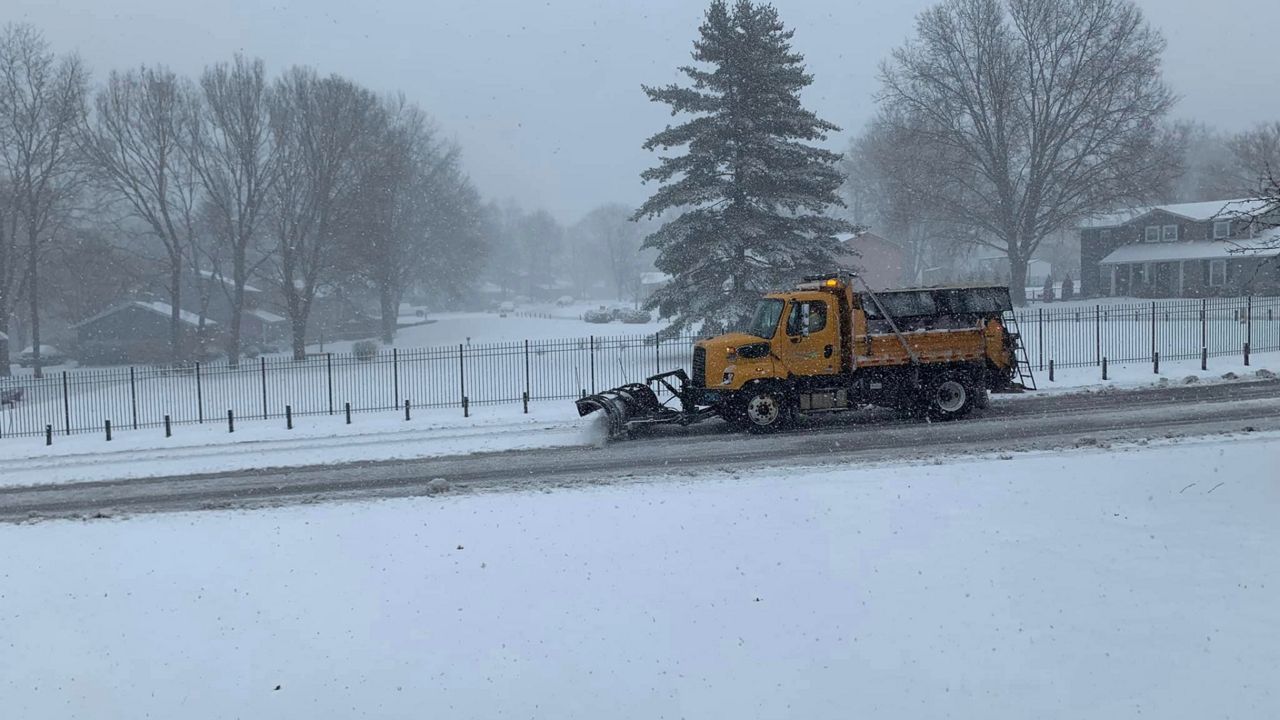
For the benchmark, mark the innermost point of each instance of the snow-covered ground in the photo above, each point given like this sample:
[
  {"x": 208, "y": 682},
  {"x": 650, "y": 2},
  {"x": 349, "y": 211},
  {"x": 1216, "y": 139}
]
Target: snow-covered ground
[
  {"x": 323, "y": 439},
  {"x": 1128, "y": 583}
]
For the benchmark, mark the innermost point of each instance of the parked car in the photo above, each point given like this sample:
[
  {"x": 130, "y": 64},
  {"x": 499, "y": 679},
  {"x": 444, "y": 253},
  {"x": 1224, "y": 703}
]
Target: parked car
[
  {"x": 599, "y": 315},
  {"x": 635, "y": 317},
  {"x": 564, "y": 300},
  {"x": 506, "y": 307},
  {"x": 10, "y": 391},
  {"x": 49, "y": 355}
]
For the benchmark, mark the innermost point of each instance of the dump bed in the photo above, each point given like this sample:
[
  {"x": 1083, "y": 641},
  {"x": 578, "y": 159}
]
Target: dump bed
[{"x": 939, "y": 325}]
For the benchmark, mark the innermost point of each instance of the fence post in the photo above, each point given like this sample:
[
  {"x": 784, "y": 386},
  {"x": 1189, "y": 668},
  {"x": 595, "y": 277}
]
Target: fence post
[
  {"x": 657, "y": 354},
  {"x": 168, "y": 426},
  {"x": 1155, "y": 362},
  {"x": 527, "y": 387},
  {"x": 133, "y": 398},
  {"x": 1246, "y": 354},
  {"x": 1153, "y": 328},
  {"x": 1040, "y": 335},
  {"x": 1097, "y": 335},
  {"x": 199, "y": 397},
  {"x": 66, "y": 402},
  {"x": 231, "y": 421},
  {"x": 48, "y": 434},
  {"x": 462, "y": 378},
  {"x": 288, "y": 417},
  {"x": 107, "y": 424},
  {"x": 1248, "y": 324},
  {"x": 262, "y": 363},
  {"x": 1204, "y": 358},
  {"x": 1204, "y": 324},
  {"x": 1050, "y": 369},
  {"x": 328, "y": 371},
  {"x": 466, "y": 407},
  {"x": 395, "y": 375},
  {"x": 406, "y": 410},
  {"x": 1104, "y": 367},
  {"x": 591, "y": 350},
  {"x": 347, "y": 408}
]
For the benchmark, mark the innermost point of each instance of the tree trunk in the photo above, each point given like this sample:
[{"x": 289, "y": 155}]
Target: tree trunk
[
  {"x": 175, "y": 312},
  {"x": 1018, "y": 279},
  {"x": 34, "y": 278},
  {"x": 299, "y": 324},
  {"x": 5, "y": 370},
  {"x": 390, "y": 310}
]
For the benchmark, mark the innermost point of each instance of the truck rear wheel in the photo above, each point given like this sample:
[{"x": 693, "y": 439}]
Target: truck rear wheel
[
  {"x": 764, "y": 409},
  {"x": 949, "y": 396}
]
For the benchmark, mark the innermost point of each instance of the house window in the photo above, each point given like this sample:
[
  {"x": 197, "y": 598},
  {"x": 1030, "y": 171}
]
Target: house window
[
  {"x": 1221, "y": 229},
  {"x": 1217, "y": 273},
  {"x": 1153, "y": 233},
  {"x": 1170, "y": 233}
]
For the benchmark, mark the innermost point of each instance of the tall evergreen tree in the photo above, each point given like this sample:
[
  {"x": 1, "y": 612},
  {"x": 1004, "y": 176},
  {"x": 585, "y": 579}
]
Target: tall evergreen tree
[{"x": 752, "y": 188}]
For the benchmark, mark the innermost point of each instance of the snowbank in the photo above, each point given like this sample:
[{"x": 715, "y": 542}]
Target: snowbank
[{"x": 1093, "y": 584}]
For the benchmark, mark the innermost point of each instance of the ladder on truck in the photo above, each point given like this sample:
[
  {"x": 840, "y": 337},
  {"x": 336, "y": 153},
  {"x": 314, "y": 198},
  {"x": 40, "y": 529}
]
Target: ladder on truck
[{"x": 1021, "y": 360}]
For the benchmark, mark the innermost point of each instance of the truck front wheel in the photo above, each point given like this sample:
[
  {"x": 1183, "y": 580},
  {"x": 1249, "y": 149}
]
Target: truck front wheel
[{"x": 763, "y": 409}]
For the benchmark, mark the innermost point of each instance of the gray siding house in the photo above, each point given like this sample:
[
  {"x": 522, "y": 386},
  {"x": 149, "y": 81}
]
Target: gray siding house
[{"x": 1206, "y": 249}]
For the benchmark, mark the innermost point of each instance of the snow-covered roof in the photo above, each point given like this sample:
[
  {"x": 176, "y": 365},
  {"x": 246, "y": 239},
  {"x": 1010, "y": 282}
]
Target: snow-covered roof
[
  {"x": 1266, "y": 246},
  {"x": 266, "y": 317},
  {"x": 1196, "y": 211},
  {"x": 654, "y": 278},
  {"x": 155, "y": 306},
  {"x": 211, "y": 275}
]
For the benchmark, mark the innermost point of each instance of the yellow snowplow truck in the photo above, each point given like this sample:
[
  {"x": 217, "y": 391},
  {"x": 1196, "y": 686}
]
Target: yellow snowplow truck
[{"x": 824, "y": 347}]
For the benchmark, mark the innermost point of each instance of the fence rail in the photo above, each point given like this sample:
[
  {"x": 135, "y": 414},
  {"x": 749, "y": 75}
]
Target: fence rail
[{"x": 461, "y": 376}]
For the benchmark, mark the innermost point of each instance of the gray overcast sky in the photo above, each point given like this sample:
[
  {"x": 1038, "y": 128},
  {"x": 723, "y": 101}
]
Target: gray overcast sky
[{"x": 544, "y": 95}]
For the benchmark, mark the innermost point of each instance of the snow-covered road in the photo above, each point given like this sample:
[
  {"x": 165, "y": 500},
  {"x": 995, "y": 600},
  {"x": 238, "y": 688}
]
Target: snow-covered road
[
  {"x": 1033, "y": 423},
  {"x": 1082, "y": 584}
]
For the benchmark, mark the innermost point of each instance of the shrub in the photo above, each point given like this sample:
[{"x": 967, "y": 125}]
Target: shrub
[{"x": 365, "y": 350}]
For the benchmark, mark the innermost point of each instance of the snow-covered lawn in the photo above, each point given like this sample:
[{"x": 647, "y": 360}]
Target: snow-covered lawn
[
  {"x": 320, "y": 439},
  {"x": 1089, "y": 584}
]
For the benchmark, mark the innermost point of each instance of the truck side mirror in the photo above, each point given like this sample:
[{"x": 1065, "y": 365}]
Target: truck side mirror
[{"x": 804, "y": 320}]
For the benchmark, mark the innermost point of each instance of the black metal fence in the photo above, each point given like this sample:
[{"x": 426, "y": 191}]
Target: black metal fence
[{"x": 461, "y": 376}]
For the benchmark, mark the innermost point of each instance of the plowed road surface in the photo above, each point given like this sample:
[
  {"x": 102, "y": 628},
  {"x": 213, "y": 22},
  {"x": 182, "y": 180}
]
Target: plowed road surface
[{"x": 1025, "y": 423}]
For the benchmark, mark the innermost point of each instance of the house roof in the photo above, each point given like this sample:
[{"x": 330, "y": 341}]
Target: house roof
[
  {"x": 1266, "y": 246},
  {"x": 155, "y": 306},
  {"x": 1196, "y": 211},
  {"x": 211, "y": 275}
]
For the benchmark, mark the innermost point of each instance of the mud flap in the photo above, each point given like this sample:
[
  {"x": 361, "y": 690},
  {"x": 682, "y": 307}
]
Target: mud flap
[{"x": 622, "y": 405}]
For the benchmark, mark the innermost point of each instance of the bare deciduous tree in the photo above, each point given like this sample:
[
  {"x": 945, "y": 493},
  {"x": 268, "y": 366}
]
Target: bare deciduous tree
[
  {"x": 232, "y": 152},
  {"x": 136, "y": 142},
  {"x": 1046, "y": 110},
  {"x": 41, "y": 103},
  {"x": 315, "y": 123}
]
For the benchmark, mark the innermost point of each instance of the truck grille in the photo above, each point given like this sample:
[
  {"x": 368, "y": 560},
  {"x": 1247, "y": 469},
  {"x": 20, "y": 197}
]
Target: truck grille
[{"x": 699, "y": 378}]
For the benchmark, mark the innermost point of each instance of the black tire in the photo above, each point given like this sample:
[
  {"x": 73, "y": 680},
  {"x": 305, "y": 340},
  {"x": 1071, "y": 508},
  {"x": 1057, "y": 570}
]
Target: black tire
[
  {"x": 764, "y": 409},
  {"x": 949, "y": 396}
]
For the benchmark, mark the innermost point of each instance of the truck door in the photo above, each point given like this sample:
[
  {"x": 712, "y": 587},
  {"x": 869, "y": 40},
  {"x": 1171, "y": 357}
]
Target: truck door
[{"x": 813, "y": 338}]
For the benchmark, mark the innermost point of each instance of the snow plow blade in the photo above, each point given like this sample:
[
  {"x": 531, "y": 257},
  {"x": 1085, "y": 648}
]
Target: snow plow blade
[{"x": 623, "y": 405}]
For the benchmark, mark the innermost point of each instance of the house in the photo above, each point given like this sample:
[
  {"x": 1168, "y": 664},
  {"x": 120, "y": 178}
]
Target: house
[
  {"x": 1216, "y": 248},
  {"x": 651, "y": 282},
  {"x": 137, "y": 331},
  {"x": 266, "y": 330},
  {"x": 882, "y": 263}
]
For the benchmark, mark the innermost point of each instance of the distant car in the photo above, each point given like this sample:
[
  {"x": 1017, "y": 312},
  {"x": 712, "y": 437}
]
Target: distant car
[
  {"x": 635, "y": 317},
  {"x": 600, "y": 315},
  {"x": 49, "y": 355},
  {"x": 564, "y": 300},
  {"x": 10, "y": 391}
]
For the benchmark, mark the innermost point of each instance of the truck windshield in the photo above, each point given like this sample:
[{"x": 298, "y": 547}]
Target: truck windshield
[{"x": 764, "y": 321}]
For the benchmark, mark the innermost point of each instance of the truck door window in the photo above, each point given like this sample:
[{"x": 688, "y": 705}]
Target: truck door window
[{"x": 817, "y": 317}]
